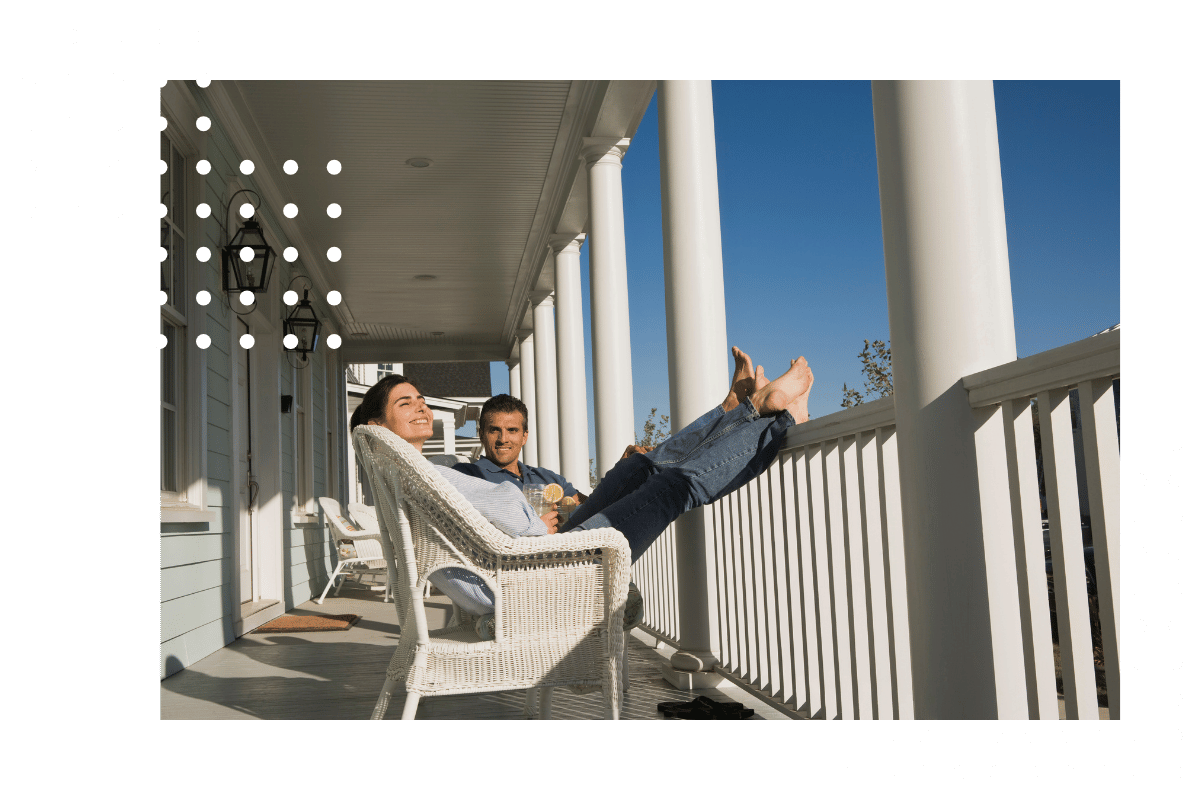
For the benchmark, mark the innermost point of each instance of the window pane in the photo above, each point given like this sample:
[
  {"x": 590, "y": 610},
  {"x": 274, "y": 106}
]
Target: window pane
[
  {"x": 168, "y": 364},
  {"x": 179, "y": 195},
  {"x": 169, "y": 483},
  {"x": 179, "y": 285},
  {"x": 166, "y": 268},
  {"x": 164, "y": 187}
]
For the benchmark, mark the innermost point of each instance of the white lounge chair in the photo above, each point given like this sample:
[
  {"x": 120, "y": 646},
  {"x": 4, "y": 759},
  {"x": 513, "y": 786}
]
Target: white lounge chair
[
  {"x": 360, "y": 550},
  {"x": 559, "y": 599},
  {"x": 363, "y": 515}
]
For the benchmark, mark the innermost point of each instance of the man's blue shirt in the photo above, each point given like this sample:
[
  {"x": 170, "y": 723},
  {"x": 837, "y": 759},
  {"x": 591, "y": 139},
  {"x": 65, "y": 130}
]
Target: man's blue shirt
[{"x": 488, "y": 470}]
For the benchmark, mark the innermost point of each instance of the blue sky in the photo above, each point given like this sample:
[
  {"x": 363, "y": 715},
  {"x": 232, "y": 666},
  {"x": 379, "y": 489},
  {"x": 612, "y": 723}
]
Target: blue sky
[{"x": 801, "y": 235}]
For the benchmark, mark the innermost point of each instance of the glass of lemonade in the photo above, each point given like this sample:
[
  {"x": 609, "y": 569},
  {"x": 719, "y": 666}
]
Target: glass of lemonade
[{"x": 537, "y": 498}]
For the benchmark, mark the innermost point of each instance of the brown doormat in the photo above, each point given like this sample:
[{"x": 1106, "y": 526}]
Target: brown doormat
[{"x": 291, "y": 623}]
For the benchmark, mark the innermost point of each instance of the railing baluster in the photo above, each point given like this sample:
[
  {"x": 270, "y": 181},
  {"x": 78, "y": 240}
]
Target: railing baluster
[
  {"x": 1066, "y": 547},
  {"x": 773, "y": 685},
  {"x": 669, "y": 559},
  {"x": 864, "y": 699},
  {"x": 1102, "y": 463},
  {"x": 762, "y": 612},
  {"x": 721, "y": 597},
  {"x": 810, "y": 611},
  {"x": 893, "y": 540},
  {"x": 820, "y": 540},
  {"x": 793, "y": 625},
  {"x": 872, "y": 505},
  {"x": 753, "y": 589},
  {"x": 1000, "y": 564},
  {"x": 741, "y": 596},
  {"x": 834, "y": 488},
  {"x": 1031, "y": 562},
  {"x": 776, "y": 576}
]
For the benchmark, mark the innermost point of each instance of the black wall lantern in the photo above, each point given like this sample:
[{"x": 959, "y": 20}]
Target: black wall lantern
[
  {"x": 304, "y": 325},
  {"x": 247, "y": 260}
]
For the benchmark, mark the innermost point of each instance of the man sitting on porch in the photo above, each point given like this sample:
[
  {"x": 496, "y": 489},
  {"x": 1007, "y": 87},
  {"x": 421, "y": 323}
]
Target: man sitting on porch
[
  {"x": 503, "y": 430},
  {"x": 642, "y": 494}
]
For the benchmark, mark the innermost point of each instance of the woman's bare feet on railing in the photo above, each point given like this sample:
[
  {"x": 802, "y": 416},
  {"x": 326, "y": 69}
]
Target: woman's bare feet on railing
[
  {"x": 786, "y": 391},
  {"x": 743, "y": 381}
]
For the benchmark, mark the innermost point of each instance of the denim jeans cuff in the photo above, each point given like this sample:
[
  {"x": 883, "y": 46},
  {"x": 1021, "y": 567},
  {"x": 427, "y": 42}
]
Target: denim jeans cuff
[{"x": 754, "y": 414}]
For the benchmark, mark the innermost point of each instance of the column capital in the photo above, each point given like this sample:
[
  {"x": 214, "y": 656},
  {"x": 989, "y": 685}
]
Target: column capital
[
  {"x": 608, "y": 149},
  {"x": 541, "y": 298},
  {"x": 566, "y": 242},
  {"x": 523, "y": 334}
]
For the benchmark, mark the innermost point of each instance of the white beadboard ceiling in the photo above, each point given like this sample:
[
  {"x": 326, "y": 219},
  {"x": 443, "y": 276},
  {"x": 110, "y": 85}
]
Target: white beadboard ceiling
[{"x": 504, "y": 165}]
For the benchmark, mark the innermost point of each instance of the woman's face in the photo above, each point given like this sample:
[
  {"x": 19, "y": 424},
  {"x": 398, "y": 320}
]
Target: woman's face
[{"x": 406, "y": 415}]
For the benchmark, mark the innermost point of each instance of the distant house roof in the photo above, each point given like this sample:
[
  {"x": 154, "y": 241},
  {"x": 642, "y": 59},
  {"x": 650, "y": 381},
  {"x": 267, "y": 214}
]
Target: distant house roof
[{"x": 452, "y": 379}]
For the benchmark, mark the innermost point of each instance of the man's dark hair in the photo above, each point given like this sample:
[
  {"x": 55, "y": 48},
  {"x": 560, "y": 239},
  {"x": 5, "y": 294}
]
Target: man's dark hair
[
  {"x": 503, "y": 404},
  {"x": 374, "y": 403}
]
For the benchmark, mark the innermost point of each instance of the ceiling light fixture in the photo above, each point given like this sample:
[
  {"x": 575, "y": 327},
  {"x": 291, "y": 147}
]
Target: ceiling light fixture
[{"x": 419, "y": 163}]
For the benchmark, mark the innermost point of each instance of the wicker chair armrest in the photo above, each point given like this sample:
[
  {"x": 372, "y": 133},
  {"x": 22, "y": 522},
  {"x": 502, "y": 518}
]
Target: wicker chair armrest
[
  {"x": 571, "y": 541},
  {"x": 604, "y": 550},
  {"x": 355, "y": 535}
]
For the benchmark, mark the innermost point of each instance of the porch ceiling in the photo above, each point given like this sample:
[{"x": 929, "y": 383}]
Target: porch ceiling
[{"x": 504, "y": 175}]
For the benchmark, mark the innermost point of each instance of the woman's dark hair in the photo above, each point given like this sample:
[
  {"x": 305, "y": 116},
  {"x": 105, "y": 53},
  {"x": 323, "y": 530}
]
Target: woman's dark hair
[{"x": 374, "y": 402}]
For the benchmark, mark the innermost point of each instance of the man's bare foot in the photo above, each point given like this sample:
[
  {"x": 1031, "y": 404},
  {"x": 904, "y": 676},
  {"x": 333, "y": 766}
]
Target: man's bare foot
[
  {"x": 785, "y": 390},
  {"x": 743, "y": 381},
  {"x": 798, "y": 408}
]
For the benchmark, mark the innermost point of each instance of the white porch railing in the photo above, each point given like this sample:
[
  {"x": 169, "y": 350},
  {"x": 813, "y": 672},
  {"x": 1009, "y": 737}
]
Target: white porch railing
[
  {"x": 1085, "y": 369},
  {"x": 808, "y": 560},
  {"x": 655, "y": 575}
]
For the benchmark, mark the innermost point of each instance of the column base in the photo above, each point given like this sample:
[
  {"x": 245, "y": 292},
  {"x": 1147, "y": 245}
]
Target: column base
[{"x": 690, "y": 681}]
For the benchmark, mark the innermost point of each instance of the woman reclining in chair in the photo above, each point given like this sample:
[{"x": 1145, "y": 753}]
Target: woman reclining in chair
[{"x": 644, "y": 492}]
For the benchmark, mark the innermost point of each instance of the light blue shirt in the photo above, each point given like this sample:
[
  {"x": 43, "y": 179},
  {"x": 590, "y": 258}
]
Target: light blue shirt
[{"x": 501, "y": 504}]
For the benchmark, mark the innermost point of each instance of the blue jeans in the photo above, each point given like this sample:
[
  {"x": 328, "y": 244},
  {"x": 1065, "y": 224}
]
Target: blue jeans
[{"x": 709, "y": 459}]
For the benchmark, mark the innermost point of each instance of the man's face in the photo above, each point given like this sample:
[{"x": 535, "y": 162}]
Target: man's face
[
  {"x": 503, "y": 437},
  {"x": 407, "y": 416}
]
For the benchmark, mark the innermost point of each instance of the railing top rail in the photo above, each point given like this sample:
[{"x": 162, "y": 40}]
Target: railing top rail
[
  {"x": 864, "y": 417},
  {"x": 1094, "y": 357}
]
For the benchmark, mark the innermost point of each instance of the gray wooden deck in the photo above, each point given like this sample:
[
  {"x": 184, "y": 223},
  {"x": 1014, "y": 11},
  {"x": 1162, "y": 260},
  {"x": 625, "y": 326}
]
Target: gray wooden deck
[{"x": 338, "y": 675}]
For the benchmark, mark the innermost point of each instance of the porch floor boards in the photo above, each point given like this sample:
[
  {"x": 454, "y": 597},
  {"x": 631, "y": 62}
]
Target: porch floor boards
[{"x": 338, "y": 675}]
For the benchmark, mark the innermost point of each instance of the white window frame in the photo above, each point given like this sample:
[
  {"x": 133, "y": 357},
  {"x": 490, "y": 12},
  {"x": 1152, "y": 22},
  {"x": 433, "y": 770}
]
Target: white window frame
[
  {"x": 302, "y": 440},
  {"x": 335, "y": 397},
  {"x": 181, "y": 111}
]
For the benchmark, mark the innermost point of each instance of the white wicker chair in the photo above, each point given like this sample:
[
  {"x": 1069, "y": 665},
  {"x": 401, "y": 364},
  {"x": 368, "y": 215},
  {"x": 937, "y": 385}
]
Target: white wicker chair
[
  {"x": 362, "y": 556},
  {"x": 559, "y": 599}
]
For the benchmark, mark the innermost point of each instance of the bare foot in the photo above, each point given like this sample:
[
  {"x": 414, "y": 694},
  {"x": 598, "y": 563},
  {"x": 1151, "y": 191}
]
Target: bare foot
[
  {"x": 798, "y": 408},
  {"x": 743, "y": 381},
  {"x": 785, "y": 390}
]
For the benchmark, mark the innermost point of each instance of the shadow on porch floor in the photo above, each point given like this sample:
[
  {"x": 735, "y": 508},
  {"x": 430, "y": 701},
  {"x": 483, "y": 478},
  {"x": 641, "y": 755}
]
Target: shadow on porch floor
[{"x": 338, "y": 676}]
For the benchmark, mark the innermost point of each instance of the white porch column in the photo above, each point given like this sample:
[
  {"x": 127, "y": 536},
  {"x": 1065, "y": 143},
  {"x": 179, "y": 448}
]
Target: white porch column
[
  {"x": 528, "y": 395},
  {"x": 612, "y": 363},
  {"x": 545, "y": 365},
  {"x": 950, "y": 315},
  {"x": 572, "y": 383},
  {"x": 697, "y": 360},
  {"x": 514, "y": 377}
]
